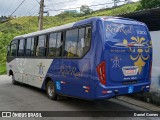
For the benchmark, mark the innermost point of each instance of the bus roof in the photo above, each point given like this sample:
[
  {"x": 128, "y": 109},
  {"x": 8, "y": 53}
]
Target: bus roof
[{"x": 74, "y": 24}]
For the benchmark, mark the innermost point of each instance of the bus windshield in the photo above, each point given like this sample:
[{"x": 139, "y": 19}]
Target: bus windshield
[{"x": 123, "y": 35}]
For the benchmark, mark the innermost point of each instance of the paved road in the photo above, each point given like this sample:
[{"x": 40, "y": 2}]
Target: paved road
[{"x": 26, "y": 98}]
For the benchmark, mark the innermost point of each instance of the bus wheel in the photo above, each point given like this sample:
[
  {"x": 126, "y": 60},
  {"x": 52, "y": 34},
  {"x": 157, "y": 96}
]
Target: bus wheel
[
  {"x": 51, "y": 92},
  {"x": 14, "y": 82}
]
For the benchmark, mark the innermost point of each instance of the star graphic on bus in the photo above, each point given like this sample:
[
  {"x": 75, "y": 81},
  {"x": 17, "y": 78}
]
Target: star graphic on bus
[
  {"x": 116, "y": 61},
  {"x": 41, "y": 66}
]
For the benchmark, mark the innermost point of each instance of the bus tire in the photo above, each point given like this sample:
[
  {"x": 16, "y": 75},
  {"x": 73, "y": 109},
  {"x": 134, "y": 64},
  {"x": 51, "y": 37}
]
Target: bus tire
[
  {"x": 51, "y": 91},
  {"x": 14, "y": 82}
]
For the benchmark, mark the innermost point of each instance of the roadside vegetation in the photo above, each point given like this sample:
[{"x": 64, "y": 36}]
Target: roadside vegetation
[{"x": 2, "y": 69}]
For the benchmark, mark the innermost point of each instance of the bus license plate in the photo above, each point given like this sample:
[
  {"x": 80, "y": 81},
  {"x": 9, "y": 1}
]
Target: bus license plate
[{"x": 130, "y": 70}]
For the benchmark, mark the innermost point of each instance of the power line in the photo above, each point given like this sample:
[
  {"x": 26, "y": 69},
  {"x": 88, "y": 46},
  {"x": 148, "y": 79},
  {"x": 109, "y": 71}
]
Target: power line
[
  {"x": 53, "y": 6},
  {"x": 30, "y": 4},
  {"x": 65, "y": 2},
  {"x": 8, "y": 7},
  {"x": 80, "y": 6},
  {"x": 83, "y": 4},
  {"x": 17, "y": 8},
  {"x": 38, "y": 2},
  {"x": 31, "y": 10},
  {"x": 27, "y": 21}
]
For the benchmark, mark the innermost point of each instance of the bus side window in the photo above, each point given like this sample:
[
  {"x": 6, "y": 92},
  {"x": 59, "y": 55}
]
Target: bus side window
[
  {"x": 87, "y": 40},
  {"x": 21, "y": 47},
  {"x": 28, "y": 46},
  {"x": 81, "y": 39},
  {"x": 32, "y": 46},
  {"x": 59, "y": 44},
  {"x": 71, "y": 43},
  {"x": 41, "y": 47},
  {"x": 8, "y": 50},
  {"x": 52, "y": 45},
  {"x": 14, "y": 45}
]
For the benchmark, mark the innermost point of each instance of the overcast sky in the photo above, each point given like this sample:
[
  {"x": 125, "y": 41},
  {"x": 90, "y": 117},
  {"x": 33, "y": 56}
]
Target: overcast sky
[{"x": 31, "y": 7}]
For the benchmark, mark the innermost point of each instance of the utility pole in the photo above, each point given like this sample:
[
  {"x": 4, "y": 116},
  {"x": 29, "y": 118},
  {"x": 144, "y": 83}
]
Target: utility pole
[{"x": 40, "y": 22}]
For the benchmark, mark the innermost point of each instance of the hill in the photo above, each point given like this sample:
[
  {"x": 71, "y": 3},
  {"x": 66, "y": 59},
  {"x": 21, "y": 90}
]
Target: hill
[{"x": 23, "y": 25}]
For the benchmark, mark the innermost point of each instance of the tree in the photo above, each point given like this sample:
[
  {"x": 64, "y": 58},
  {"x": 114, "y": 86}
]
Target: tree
[
  {"x": 150, "y": 3},
  {"x": 68, "y": 14},
  {"x": 84, "y": 9},
  {"x": 3, "y": 18}
]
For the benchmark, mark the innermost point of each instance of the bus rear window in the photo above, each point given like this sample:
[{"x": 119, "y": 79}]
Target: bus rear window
[{"x": 122, "y": 34}]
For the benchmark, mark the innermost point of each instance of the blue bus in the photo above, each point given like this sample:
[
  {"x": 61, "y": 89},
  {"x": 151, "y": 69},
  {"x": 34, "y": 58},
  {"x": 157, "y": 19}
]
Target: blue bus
[{"x": 95, "y": 58}]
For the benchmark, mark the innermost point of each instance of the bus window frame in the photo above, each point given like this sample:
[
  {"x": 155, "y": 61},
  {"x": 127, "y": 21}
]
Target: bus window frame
[
  {"x": 26, "y": 39},
  {"x": 14, "y": 40},
  {"x": 63, "y": 31},
  {"x": 79, "y": 27},
  {"x": 24, "y": 44},
  {"x": 62, "y": 41},
  {"x": 65, "y": 43},
  {"x": 37, "y": 40},
  {"x": 8, "y": 50},
  {"x": 48, "y": 41}
]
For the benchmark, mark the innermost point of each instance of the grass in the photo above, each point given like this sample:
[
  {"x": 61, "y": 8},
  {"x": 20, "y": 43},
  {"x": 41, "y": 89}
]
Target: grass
[{"x": 2, "y": 69}]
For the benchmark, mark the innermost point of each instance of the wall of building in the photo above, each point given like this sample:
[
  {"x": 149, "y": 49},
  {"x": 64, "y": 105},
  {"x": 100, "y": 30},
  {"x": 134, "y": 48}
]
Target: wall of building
[
  {"x": 154, "y": 95},
  {"x": 155, "y": 81}
]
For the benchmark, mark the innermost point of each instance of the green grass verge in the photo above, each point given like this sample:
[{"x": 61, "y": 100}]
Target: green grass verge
[{"x": 2, "y": 69}]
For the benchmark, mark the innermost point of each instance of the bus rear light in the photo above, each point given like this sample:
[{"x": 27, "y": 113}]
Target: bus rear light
[
  {"x": 106, "y": 91},
  {"x": 86, "y": 90},
  {"x": 86, "y": 87},
  {"x": 101, "y": 70}
]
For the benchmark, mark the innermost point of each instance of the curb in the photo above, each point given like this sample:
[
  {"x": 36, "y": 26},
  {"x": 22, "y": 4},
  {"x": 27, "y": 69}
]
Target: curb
[{"x": 139, "y": 103}]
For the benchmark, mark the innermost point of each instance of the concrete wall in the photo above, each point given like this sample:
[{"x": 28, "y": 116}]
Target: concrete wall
[
  {"x": 154, "y": 95},
  {"x": 155, "y": 81}
]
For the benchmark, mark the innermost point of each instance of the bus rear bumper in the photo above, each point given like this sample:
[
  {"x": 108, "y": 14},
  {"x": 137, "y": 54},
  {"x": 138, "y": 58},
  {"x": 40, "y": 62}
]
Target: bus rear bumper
[{"x": 104, "y": 92}]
